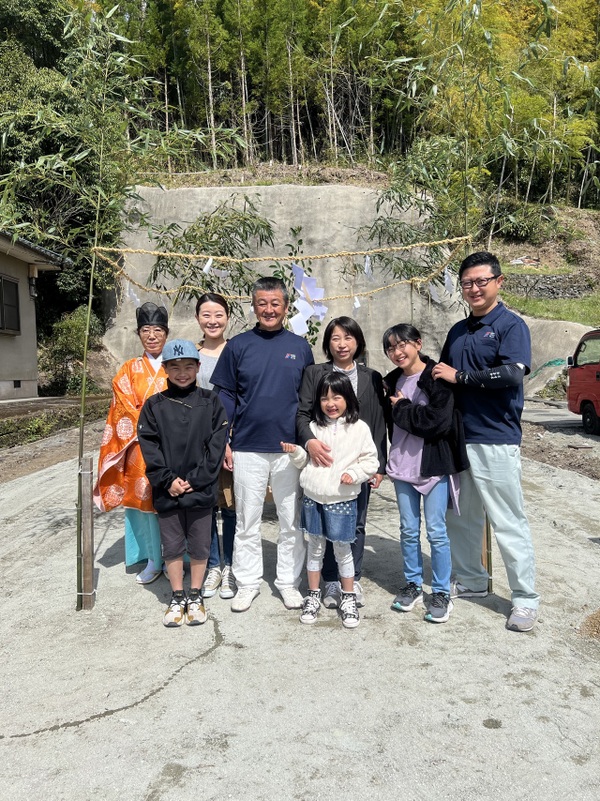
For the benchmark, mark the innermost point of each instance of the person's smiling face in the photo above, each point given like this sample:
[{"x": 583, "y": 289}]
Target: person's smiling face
[
  {"x": 333, "y": 405},
  {"x": 182, "y": 372},
  {"x": 342, "y": 347},
  {"x": 404, "y": 353},
  {"x": 153, "y": 339},
  {"x": 481, "y": 299},
  {"x": 270, "y": 309},
  {"x": 212, "y": 319}
]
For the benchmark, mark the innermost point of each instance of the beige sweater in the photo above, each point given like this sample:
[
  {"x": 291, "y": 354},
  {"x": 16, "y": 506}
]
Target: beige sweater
[{"x": 353, "y": 452}]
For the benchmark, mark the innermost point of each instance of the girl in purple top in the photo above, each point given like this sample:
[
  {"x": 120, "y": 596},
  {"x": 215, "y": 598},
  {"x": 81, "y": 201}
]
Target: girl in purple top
[{"x": 427, "y": 450}]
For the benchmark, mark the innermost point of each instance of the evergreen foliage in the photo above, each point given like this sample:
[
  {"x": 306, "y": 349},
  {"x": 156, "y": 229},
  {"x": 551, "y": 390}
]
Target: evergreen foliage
[{"x": 478, "y": 108}]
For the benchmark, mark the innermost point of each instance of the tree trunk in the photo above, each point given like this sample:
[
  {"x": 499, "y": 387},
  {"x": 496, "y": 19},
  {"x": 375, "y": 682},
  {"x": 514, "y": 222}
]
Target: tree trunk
[
  {"x": 211, "y": 104},
  {"x": 166, "y": 90},
  {"x": 292, "y": 105}
]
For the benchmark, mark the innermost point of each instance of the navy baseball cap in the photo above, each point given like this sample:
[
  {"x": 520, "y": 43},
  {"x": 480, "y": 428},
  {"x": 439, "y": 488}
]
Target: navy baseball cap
[{"x": 180, "y": 349}]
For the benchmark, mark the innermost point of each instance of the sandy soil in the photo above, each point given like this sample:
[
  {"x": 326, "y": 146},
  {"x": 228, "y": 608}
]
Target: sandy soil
[{"x": 567, "y": 448}]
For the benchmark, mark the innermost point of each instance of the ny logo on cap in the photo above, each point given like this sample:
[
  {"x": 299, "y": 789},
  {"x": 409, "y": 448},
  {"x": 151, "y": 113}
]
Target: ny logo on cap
[{"x": 178, "y": 350}]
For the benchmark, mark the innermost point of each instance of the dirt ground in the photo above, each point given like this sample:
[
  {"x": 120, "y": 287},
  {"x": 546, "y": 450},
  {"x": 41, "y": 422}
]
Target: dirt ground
[{"x": 567, "y": 448}]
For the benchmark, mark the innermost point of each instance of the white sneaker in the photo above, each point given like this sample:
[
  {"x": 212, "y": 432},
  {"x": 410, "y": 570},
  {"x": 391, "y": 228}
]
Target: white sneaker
[
  {"x": 332, "y": 594},
  {"x": 228, "y": 586},
  {"x": 292, "y": 598},
  {"x": 212, "y": 582},
  {"x": 243, "y": 599},
  {"x": 360, "y": 596}
]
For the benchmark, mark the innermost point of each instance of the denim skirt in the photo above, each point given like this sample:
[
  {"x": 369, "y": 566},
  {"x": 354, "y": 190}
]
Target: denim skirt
[{"x": 335, "y": 521}]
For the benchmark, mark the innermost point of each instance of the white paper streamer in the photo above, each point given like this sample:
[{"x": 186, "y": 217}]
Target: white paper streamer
[
  {"x": 299, "y": 324},
  {"x": 448, "y": 282}
]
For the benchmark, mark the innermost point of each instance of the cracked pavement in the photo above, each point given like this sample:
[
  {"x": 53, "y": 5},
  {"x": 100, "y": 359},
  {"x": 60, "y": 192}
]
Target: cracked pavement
[{"x": 110, "y": 705}]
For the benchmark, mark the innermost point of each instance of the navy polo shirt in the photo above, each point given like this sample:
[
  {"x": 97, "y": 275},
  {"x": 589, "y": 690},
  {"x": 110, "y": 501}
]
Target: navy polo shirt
[
  {"x": 490, "y": 416},
  {"x": 263, "y": 370}
]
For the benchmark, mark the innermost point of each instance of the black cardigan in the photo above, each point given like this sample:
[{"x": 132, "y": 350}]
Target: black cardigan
[
  {"x": 438, "y": 423},
  {"x": 371, "y": 402}
]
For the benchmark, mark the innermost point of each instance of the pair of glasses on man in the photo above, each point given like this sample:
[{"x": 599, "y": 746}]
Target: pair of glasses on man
[{"x": 479, "y": 282}]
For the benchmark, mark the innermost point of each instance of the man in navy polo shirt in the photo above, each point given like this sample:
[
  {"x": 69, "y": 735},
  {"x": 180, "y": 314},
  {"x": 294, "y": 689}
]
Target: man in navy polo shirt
[
  {"x": 258, "y": 376},
  {"x": 487, "y": 356}
]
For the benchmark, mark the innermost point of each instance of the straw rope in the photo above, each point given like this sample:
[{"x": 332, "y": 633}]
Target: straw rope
[
  {"x": 256, "y": 259},
  {"x": 414, "y": 281}
]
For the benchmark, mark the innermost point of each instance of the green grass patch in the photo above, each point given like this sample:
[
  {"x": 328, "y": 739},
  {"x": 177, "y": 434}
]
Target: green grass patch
[
  {"x": 585, "y": 310},
  {"x": 31, "y": 427}
]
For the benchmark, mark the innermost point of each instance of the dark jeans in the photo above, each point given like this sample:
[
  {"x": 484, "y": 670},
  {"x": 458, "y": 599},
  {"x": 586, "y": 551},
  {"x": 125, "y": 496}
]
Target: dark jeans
[
  {"x": 358, "y": 546},
  {"x": 228, "y": 518}
]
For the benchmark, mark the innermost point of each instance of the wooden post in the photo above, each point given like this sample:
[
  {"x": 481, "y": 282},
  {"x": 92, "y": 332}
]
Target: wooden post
[
  {"x": 486, "y": 552},
  {"x": 87, "y": 530}
]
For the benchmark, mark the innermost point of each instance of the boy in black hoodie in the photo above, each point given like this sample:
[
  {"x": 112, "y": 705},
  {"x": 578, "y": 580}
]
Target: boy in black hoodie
[{"x": 182, "y": 434}]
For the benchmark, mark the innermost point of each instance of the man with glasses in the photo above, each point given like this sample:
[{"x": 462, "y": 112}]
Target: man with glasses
[{"x": 487, "y": 356}]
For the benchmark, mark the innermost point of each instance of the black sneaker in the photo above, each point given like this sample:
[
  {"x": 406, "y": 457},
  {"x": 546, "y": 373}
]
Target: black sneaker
[
  {"x": 349, "y": 610},
  {"x": 408, "y": 598},
  {"x": 310, "y": 606},
  {"x": 439, "y": 608}
]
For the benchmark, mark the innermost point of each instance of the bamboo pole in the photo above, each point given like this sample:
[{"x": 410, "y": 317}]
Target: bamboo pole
[
  {"x": 87, "y": 527},
  {"x": 486, "y": 552}
]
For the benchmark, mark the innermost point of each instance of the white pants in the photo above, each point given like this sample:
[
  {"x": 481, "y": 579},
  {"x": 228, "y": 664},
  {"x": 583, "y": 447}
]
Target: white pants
[
  {"x": 251, "y": 473},
  {"x": 493, "y": 485}
]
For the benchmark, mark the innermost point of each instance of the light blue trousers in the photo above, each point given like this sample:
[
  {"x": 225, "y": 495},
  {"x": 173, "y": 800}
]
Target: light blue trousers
[{"x": 493, "y": 485}]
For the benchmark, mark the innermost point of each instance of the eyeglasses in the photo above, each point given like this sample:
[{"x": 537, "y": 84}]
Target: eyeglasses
[
  {"x": 400, "y": 345},
  {"x": 479, "y": 282},
  {"x": 147, "y": 330}
]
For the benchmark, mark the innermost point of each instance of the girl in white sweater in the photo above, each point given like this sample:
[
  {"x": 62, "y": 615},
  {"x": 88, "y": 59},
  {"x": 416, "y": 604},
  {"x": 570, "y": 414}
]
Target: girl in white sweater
[{"x": 329, "y": 503}]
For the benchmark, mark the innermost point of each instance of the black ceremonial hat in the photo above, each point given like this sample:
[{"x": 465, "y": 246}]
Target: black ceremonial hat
[{"x": 151, "y": 314}]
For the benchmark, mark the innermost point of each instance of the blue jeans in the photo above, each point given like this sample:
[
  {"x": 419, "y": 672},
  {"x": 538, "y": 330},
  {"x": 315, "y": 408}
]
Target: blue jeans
[
  {"x": 214, "y": 557},
  {"x": 435, "y": 505}
]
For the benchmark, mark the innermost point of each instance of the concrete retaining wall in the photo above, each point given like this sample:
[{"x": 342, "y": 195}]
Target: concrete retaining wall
[{"x": 330, "y": 217}]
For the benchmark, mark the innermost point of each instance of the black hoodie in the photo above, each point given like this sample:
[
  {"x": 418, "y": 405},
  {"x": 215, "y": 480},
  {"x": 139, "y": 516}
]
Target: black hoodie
[{"x": 182, "y": 434}]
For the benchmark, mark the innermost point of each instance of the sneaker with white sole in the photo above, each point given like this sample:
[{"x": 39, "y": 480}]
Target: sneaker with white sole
[
  {"x": 228, "y": 586},
  {"x": 458, "y": 590},
  {"x": 360, "y": 596},
  {"x": 212, "y": 582},
  {"x": 439, "y": 608},
  {"x": 311, "y": 606},
  {"x": 242, "y": 601},
  {"x": 332, "y": 595},
  {"x": 349, "y": 610},
  {"x": 408, "y": 598},
  {"x": 175, "y": 614},
  {"x": 291, "y": 597},
  {"x": 522, "y": 618},
  {"x": 195, "y": 612}
]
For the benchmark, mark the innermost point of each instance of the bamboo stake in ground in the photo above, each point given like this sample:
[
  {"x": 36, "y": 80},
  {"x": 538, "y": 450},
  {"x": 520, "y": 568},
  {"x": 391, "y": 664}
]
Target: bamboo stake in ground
[
  {"x": 486, "y": 552},
  {"x": 88, "y": 595}
]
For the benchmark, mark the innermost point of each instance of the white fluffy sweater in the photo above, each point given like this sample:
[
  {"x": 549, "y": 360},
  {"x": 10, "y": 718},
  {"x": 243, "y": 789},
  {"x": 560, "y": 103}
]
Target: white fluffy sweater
[{"x": 353, "y": 452}]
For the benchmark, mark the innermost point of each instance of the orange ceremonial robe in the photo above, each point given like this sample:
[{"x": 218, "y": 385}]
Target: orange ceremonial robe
[{"x": 121, "y": 470}]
